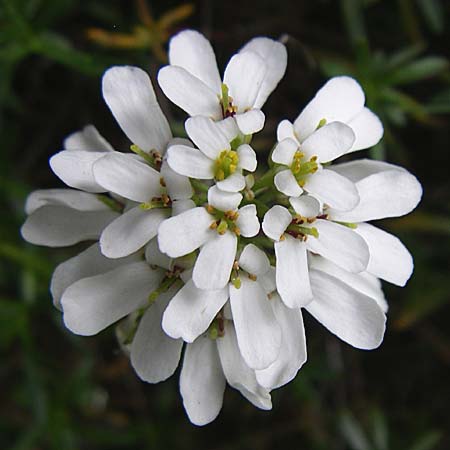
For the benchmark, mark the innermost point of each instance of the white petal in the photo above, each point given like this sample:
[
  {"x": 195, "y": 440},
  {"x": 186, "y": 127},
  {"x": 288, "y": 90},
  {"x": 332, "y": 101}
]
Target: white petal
[
  {"x": 275, "y": 222},
  {"x": 339, "y": 244},
  {"x": 368, "y": 130},
  {"x": 247, "y": 221},
  {"x": 155, "y": 257},
  {"x": 88, "y": 139},
  {"x": 178, "y": 186},
  {"x": 184, "y": 233},
  {"x": 193, "y": 52},
  {"x": 125, "y": 175},
  {"x": 292, "y": 272},
  {"x": 305, "y": 205},
  {"x": 389, "y": 258},
  {"x": 250, "y": 122},
  {"x": 229, "y": 128},
  {"x": 207, "y": 136},
  {"x": 286, "y": 183},
  {"x": 214, "y": 263},
  {"x": 92, "y": 304},
  {"x": 131, "y": 231},
  {"x": 285, "y": 130},
  {"x": 350, "y": 315},
  {"x": 341, "y": 99},
  {"x": 292, "y": 355},
  {"x": 190, "y": 162},
  {"x": 244, "y": 76},
  {"x": 75, "y": 169},
  {"x": 180, "y": 206},
  {"x": 391, "y": 193},
  {"x": 233, "y": 183},
  {"x": 362, "y": 168},
  {"x": 191, "y": 311},
  {"x": 225, "y": 201},
  {"x": 268, "y": 281},
  {"x": 129, "y": 94},
  {"x": 88, "y": 263},
  {"x": 247, "y": 157},
  {"x": 284, "y": 151},
  {"x": 59, "y": 226},
  {"x": 274, "y": 55},
  {"x": 333, "y": 189},
  {"x": 154, "y": 355},
  {"x": 257, "y": 331},
  {"x": 189, "y": 93},
  {"x": 253, "y": 260},
  {"x": 329, "y": 142},
  {"x": 82, "y": 201},
  {"x": 202, "y": 382},
  {"x": 237, "y": 372}
]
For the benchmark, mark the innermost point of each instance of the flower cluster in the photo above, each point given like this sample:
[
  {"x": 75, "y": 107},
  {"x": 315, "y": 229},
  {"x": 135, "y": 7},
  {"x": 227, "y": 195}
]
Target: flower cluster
[{"x": 189, "y": 249}]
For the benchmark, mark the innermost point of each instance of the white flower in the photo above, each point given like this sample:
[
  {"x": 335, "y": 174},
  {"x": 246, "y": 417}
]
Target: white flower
[
  {"x": 215, "y": 230},
  {"x": 219, "y": 156},
  {"x": 192, "y": 79}
]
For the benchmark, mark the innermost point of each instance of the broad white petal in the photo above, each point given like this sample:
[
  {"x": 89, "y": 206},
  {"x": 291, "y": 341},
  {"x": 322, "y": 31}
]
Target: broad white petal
[
  {"x": 207, "y": 136},
  {"x": 341, "y": 99},
  {"x": 190, "y": 162},
  {"x": 74, "y": 168},
  {"x": 285, "y": 130},
  {"x": 214, "y": 263},
  {"x": 131, "y": 231},
  {"x": 191, "y": 311},
  {"x": 275, "y": 222},
  {"x": 292, "y": 354},
  {"x": 258, "y": 333},
  {"x": 247, "y": 221},
  {"x": 284, "y": 151},
  {"x": 368, "y": 130},
  {"x": 333, "y": 189},
  {"x": 233, "y": 183},
  {"x": 193, "y": 52},
  {"x": 125, "y": 175},
  {"x": 225, "y": 201},
  {"x": 244, "y": 76},
  {"x": 329, "y": 142},
  {"x": 178, "y": 186},
  {"x": 274, "y": 55},
  {"x": 184, "y": 233},
  {"x": 292, "y": 272},
  {"x": 237, "y": 372},
  {"x": 253, "y": 260},
  {"x": 350, "y": 315},
  {"x": 305, "y": 205},
  {"x": 286, "y": 183},
  {"x": 389, "y": 258},
  {"x": 154, "y": 355},
  {"x": 92, "y": 304},
  {"x": 339, "y": 244},
  {"x": 250, "y": 122},
  {"x": 88, "y": 139},
  {"x": 60, "y": 226},
  {"x": 202, "y": 382},
  {"x": 247, "y": 157},
  {"x": 189, "y": 93},
  {"x": 129, "y": 94},
  {"x": 362, "y": 168}
]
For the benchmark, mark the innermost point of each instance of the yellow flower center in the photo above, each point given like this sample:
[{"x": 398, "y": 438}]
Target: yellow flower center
[
  {"x": 225, "y": 165},
  {"x": 301, "y": 168}
]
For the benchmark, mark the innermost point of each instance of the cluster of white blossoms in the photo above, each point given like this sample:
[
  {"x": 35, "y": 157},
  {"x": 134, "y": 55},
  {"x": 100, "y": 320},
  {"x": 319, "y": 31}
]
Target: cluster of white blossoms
[{"x": 190, "y": 250}]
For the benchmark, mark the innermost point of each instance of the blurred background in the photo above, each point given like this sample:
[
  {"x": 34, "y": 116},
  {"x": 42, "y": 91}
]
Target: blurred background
[{"x": 64, "y": 392}]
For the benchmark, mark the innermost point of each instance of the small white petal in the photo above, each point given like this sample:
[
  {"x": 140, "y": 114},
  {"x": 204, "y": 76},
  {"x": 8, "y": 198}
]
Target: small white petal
[
  {"x": 178, "y": 186},
  {"x": 180, "y": 206},
  {"x": 247, "y": 221},
  {"x": 350, "y": 315},
  {"x": 292, "y": 272},
  {"x": 286, "y": 183},
  {"x": 212, "y": 271},
  {"x": 250, "y": 122},
  {"x": 202, "y": 382},
  {"x": 125, "y": 175},
  {"x": 285, "y": 130},
  {"x": 253, "y": 260},
  {"x": 368, "y": 130},
  {"x": 268, "y": 281},
  {"x": 88, "y": 139},
  {"x": 92, "y": 304},
  {"x": 284, "y": 151},
  {"x": 362, "y": 168},
  {"x": 247, "y": 158},
  {"x": 129, "y": 94},
  {"x": 333, "y": 189},
  {"x": 258, "y": 333},
  {"x": 190, "y": 162},
  {"x": 184, "y": 233},
  {"x": 275, "y": 222},
  {"x": 189, "y": 92},
  {"x": 229, "y": 128},
  {"x": 155, "y": 257},
  {"x": 233, "y": 183},
  {"x": 305, "y": 205},
  {"x": 225, "y": 201},
  {"x": 191, "y": 311}
]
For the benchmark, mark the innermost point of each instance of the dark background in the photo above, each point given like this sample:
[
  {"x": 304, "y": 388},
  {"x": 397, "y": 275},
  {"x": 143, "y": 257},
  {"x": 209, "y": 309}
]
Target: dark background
[{"x": 63, "y": 392}]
